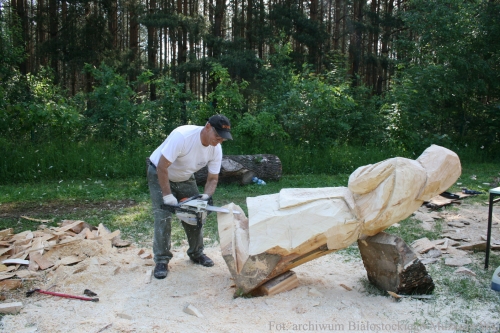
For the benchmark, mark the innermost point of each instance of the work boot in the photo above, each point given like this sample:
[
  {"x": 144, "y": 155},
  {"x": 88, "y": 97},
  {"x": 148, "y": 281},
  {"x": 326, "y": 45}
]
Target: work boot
[
  {"x": 203, "y": 260},
  {"x": 161, "y": 271}
]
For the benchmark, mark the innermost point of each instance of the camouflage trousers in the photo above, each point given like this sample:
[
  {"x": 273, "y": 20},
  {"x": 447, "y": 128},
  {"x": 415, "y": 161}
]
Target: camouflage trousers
[{"x": 163, "y": 218}]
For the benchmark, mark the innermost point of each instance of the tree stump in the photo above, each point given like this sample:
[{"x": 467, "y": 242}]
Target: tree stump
[
  {"x": 392, "y": 265},
  {"x": 242, "y": 168}
]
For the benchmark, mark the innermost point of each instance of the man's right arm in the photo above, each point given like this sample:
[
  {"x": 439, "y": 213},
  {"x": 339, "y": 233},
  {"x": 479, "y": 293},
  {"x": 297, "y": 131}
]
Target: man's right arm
[{"x": 162, "y": 171}]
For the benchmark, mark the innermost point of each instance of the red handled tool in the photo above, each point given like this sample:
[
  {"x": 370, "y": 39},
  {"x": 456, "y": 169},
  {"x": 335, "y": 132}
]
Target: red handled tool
[{"x": 83, "y": 298}]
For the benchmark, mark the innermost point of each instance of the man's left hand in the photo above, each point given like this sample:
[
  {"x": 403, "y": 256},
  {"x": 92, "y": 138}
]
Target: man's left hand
[{"x": 205, "y": 196}]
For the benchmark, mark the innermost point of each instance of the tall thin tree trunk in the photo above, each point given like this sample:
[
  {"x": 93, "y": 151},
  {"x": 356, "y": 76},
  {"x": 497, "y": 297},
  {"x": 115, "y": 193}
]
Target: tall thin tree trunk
[
  {"x": 53, "y": 32},
  {"x": 152, "y": 49},
  {"x": 133, "y": 37}
]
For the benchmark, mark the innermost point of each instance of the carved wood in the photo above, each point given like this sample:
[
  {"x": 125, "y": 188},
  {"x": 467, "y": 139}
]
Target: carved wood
[{"x": 287, "y": 229}]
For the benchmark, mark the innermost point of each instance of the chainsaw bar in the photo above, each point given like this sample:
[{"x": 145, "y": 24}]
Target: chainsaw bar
[{"x": 220, "y": 209}]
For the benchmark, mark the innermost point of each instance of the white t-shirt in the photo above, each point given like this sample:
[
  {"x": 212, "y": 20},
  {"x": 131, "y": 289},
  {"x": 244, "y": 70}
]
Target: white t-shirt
[{"x": 184, "y": 149}]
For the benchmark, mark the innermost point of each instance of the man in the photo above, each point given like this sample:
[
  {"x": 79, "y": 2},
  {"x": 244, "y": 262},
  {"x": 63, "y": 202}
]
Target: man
[{"x": 171, "y": 178}]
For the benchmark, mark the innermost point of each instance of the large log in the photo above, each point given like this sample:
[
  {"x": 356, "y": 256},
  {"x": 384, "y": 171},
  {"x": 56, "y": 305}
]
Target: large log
[
  {"x": 392, "y": 265},
  {"x": 242, "y": 168},
  {"x": 287, "y": 229}
]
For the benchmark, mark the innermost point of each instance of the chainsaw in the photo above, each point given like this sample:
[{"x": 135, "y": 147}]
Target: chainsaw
[{"x": 194, "y": 211}]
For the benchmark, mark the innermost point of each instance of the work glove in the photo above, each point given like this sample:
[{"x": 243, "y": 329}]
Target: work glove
[
  {"x": 170, "y": 200},
  {"x": 205, "y": 196}
]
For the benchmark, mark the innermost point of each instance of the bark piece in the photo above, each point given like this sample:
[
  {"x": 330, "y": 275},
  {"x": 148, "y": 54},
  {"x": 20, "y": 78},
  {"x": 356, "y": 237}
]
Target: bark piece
[
  {"x": 241, "y": 168},
  {"x": 392, "y": 265}
]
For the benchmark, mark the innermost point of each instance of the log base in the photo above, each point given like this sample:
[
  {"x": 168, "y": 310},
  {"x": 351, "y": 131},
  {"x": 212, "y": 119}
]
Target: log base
[
  {"x": 284, "y": 282},
  {"x": 393, "y": 266}
]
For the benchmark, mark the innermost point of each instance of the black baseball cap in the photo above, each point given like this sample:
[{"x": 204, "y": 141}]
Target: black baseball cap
[{"x": 221, "y": 125}]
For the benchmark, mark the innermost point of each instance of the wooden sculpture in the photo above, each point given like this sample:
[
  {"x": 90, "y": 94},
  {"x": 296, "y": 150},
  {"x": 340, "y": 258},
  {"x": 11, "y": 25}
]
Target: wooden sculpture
[{"x": 289, "y": 228}]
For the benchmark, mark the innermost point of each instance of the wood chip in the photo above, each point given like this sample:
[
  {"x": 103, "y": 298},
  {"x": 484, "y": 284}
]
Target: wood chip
[
  {"x": 16, "y": 261},
  {"x": 43, "y": 262},
  {"x": 345, "y": 287},
  {"x": 456, "y": 262},
  {"x": 146, "y": 256},
  {"x": 10, "y": 284},
  {"x": 393, "y": 294},
  {"x": 36, "y": 220},
  {"x": 33, "y": 266},
  {"x": 5, "y": 250},
  {"x": 69, "y": 226},
  {"x": 11, "y": 307},
  {"x": 121, "y": 243},
  {"x": 422, "y": 245},
  {"x": 69, "y": 260},
  {"x": 190, "y": 309},
  {"x": 6, "y": 233},
  {"x": 148, "y": 276},
  {"x": 111, "y": 235},
  {"x": 6, "y": 276}
]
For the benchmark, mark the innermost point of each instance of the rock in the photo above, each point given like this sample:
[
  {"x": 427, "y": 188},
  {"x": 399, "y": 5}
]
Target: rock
[
  {"x": 456, "y": 262},
  {"x": 464, "y": 271},
  {"x": 190, "y": 309}
]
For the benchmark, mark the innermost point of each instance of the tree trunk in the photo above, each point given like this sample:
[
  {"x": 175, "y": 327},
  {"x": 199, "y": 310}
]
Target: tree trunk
[
  {"x": 242, "y": 168},
  {"x": 133, "y": 36},
  {"x": 53, "y": 25},
  {"x": 152, "y": 50}
]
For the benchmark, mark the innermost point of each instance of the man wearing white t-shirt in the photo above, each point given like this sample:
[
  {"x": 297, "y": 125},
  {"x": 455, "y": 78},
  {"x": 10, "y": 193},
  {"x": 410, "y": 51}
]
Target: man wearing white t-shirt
[{"x": 171, "y": 178}]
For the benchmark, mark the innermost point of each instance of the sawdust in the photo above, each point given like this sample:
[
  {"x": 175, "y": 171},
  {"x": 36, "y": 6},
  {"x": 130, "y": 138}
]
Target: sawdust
[{"x": 127, "y": 303}]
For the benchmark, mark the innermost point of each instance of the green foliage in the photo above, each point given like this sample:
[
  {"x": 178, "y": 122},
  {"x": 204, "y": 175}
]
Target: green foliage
[
  {"x": 226, "y": 99},
  {"x": 317, "y": 112},
  {"x": 111, "y": 112},
  {"x": 36, "y": 109},
  {"x": 167, "y": 111},
  {"x": 259, "y": 133},
  {"x": 447, "y": 84},
  {"x": 10, "y": 54}
]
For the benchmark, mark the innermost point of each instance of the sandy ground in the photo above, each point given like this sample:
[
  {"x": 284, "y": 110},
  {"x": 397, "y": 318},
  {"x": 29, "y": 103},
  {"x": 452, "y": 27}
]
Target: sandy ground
[{"x": 128, "y": 303}]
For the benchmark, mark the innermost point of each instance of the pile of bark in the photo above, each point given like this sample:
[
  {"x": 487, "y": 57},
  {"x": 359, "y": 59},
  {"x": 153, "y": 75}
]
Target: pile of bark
[{"x": 24, "y": 254}]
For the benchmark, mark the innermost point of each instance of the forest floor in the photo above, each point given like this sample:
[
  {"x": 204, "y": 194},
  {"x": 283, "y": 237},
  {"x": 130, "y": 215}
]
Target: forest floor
[{"x": 131, "y": 301}]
